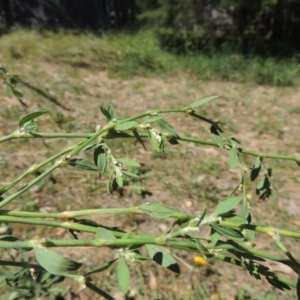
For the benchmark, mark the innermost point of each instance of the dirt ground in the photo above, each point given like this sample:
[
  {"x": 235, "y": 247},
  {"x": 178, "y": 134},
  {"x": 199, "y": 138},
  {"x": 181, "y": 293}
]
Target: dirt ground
[{"x": 187, "y": 177}]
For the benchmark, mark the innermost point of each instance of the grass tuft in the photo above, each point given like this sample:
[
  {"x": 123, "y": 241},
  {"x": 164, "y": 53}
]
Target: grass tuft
[{"x": 126, "y": 55}]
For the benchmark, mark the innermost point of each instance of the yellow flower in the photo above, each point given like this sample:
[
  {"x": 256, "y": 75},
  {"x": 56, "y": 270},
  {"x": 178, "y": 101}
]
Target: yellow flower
[{"x": 200, "y": 261}]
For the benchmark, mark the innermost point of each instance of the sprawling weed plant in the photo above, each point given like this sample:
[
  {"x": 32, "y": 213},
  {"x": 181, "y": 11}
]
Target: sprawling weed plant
[{"x": 232, "y": 234}]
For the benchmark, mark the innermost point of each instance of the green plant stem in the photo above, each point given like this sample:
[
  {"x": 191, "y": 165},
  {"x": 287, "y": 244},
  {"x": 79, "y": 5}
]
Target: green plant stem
[
  {"x": 6, "y": 138},
  {"x": 66, "y": 215},
  {"x": 153, "y": 113},
  {"x": 69, "y": 225},
  {"x": 110, "y": 135}
]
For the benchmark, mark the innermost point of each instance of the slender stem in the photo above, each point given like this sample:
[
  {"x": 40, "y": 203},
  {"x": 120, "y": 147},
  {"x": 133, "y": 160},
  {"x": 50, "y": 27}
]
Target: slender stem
[
  {"x": 108, "y": 135},
  {"x": 66, "y": 215},
  {"x": 6, "y": 138}
]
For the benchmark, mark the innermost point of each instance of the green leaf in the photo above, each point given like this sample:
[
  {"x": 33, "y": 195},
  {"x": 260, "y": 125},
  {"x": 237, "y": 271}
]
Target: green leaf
[
  {"x": 30, "y": 117},
  {"x": 30, "y": 127},
  {"x": 245, "y": 209},
  {"x": 261, "y": 184},
  {"x": 256, "y": 169},
  {"x": 123, "y": 275},
  {"x": 105, "y": 234},
  {"x": 158, "y": 146},
  {"x": 227, "y": 205},
  {"x": 102, "y": 268},
  {"x": 126, "y": 125},
  {"x": 120, "y": 180},
  {"x": 130, "y": 174},
  {"x": 237, "y": 220},
  {"x": 163, "y": 258},
  {"x": 112, "y": 112},
  {"x": 106, "y": 113},
  {"x": 216, "y": 136},
  {"x": 82, "y": 164},
  {"x": 227, "y": 232},
  {"x": 233, "y": 158},
  {"x": 273, "y": 280},
  {"x": 128, "y": 162},
  {"x": 157, "y": 210},
  {"x": 251, "y": 235},
  {"x": 182, "y": 221},
  {"x": 201, "y": 102},
  {"x": 139, "y": 139},
  {"x": 152, "y": 119},
  {"x": 54, "y": 262},
  {"x": 214, "y": 237},
  {"x": 167, "y": 127},
  {"x": 100, "y": 159}
]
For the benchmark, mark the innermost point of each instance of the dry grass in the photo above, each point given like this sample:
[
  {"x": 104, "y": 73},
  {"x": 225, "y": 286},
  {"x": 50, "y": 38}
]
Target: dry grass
[{"x": 186, "y": 177}]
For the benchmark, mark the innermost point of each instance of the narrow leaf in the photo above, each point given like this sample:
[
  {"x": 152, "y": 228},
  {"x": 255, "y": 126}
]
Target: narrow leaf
[
  {"x": 112, "y": 112},
  {"x": 128, "y": 162},
  {"x": 256, "y": 169},
  {"x": 227, "y": 205},
  {"x": 157, "y": 210},
  {"x": 233, "y": 158},
  {"x": 119, "y": 180},
  {"x": 154, "y": 141},
  {"x": 167, "y": 127},
  {"x": 216, "y": 136},
  {"x": 100, "y": 159},
  {"x": 245, "y": 209},
  {"x": 30, "y": 127},
  {"x": 123, "y": 275},
  {"x": 152, "y": 119},
  {"x": 214, "y": 237},
  {"x": 82, "y": 164},
  {"x": 201, "y": 102},
  {"x": 237, "y": 220},
  {"x": 105, "y": 113},
  {"x": 163, "y": 258},
  {"x": 30, "y": 117},
  {"x": 130, "y": 174},
  {"x": 54, "y": 262},
  {"x": 227, "y": 232},
  {"x": 102, "y": 268},
  {"x": 126, "y": 125}
]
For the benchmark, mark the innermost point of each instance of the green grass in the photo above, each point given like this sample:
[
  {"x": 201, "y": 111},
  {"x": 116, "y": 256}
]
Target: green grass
[{"x": 126, "y": 55}]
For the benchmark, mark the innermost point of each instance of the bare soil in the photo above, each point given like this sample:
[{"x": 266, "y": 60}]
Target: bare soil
[{"x": 187, "y": 177}]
